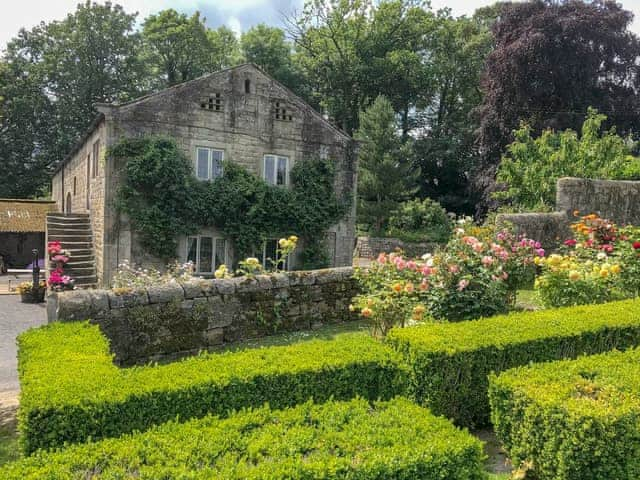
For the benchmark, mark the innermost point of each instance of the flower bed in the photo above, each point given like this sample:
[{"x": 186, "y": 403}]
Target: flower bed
[
  {"x": 599, "y": 264},
  {"x": 71, "y": 390},
  {"x": 337, "y": 440},
  {"x": 450, "y": 362},
  {"x": 476, "y": 274},
  {"x": 572, "y": 420}
]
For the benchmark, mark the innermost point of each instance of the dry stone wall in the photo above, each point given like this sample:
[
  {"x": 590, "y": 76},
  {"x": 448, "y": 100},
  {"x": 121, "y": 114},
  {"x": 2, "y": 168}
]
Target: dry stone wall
[
  {"x": 370, "y": 247},
  {"x": 184, "y": 318},
  {"x": 615, "y": 200}
]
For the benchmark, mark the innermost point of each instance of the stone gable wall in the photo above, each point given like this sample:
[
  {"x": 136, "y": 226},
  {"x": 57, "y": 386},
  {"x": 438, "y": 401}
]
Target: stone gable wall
[{"x": 184, "y": 318}]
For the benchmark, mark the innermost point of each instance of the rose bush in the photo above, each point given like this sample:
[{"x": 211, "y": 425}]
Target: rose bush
[
  {"x": 600, "y": 263},
  {"x": 472, "y": 276}
]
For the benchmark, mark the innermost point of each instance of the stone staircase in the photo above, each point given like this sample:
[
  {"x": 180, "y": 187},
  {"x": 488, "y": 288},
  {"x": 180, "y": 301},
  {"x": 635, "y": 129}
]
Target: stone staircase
[{"x": 73, "y": 231}]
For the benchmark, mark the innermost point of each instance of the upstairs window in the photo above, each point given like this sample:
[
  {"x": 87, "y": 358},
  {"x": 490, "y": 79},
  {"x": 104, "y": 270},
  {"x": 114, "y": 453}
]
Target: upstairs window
[
  {"x": 282, "y": 113},
  {"x": 96, "y": 157},
  {"x": 207, "y": 253},
  {"x": 212, "y": 103},
  {"x": 209, "y": 163},
  {"x": 247, "y": 86},
  {"x": 276, "y": 170}
]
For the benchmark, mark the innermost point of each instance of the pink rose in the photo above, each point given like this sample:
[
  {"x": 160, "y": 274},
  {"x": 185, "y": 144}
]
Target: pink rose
[
  {"x": 487, "y": 260},
  {"x": 462, "y": 284}
]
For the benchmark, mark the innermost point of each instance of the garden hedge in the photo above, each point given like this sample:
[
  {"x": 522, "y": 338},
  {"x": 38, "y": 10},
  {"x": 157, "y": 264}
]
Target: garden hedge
[
  {"x": 336, "y": 440},
  {"x": 450, "y": 362},
  {"x": 571, "y": 420},
  {"x": 71, "y": 391}
]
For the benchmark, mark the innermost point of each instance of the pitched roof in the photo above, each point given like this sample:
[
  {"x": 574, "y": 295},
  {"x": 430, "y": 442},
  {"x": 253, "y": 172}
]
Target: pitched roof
[{"x": 24, "y": 215}]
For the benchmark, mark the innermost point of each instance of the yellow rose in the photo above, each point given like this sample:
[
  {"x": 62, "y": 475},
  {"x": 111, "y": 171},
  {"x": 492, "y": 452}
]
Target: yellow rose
[
  {"x": 574, "y": 275},
  {"x": 604, "y": 273},
  {"x": 615, "y": 269}
]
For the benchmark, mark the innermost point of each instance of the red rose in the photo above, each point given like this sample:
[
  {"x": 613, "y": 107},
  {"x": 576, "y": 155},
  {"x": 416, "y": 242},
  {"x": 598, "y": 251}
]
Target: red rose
[
  {"x": 570, "y": 243},
  {"x": 636, "y": 245}
]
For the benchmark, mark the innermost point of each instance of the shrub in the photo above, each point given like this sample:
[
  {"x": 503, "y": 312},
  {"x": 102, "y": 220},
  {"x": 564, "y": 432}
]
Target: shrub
[
  {"x": 573, "y": 419},
  {"x": 470, "y": 277},
  {"x": 337, "y": 440},
  {"x": 71, "y": 390},
  {"x": 600, "y": 264},
  {"x": 420, "y": 220},
  {"x": 450, "y": 362}
]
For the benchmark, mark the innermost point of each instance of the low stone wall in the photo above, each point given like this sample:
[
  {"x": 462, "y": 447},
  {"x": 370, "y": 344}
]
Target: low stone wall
[
  {"x": 184, "y": 318},
  {"x": 370, "y": 247},
  {"x": 615, "y": 200},
  {"x": 550, "y": 229}
]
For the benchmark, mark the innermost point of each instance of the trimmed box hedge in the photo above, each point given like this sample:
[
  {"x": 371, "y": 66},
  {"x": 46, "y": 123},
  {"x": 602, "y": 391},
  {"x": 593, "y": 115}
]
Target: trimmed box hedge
[
  {"x": 71, "y": 391},
  {"x": 571, "y": 420},
  {"x": 336, "y": 440},
  {"x": 450, "y": 362}
]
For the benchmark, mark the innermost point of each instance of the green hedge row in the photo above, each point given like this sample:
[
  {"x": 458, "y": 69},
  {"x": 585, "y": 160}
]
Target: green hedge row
[
  {"x": 336, "y": 440},
  {"x": 450, "y": 362},
  {"x": 571, "y": 420},
  {"x": 71, "y": 391}
]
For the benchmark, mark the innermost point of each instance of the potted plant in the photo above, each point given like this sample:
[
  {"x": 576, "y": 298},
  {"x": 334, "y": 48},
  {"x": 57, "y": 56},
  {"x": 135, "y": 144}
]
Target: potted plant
[
  {"x": 29, "y": 294},
  {"x": 59, "y": 282}
]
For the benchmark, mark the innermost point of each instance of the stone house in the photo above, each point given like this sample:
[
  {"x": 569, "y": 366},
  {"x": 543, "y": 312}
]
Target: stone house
[{"x": 239, "y": 114}]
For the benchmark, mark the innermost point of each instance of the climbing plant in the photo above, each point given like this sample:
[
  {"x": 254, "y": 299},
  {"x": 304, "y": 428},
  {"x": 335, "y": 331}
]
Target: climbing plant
[{"x": 163, "y": 200}]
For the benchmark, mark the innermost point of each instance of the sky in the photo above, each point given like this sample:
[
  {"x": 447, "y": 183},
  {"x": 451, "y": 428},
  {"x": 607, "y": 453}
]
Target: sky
[{"x": 237, "y": 14}]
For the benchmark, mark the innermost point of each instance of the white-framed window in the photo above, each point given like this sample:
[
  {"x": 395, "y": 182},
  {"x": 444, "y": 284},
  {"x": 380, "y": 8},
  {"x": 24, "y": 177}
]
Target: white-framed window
[
  {"x": 276, "y": 170},
  {"x": 209, "y": 163},
  {"x": 268, "y": 256},
  {"x": 207, "y": 253}
]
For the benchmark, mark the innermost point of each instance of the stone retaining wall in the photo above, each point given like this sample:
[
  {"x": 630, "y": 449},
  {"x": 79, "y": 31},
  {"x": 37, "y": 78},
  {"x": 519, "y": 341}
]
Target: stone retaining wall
[
  {"x": 370, "y": 247},
  {"x": 615, "y": 200},
  {"x": 184, "y": 318}
]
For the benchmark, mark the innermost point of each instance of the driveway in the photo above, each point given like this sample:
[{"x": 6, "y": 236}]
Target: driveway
[{"x": 15, "y": 317}]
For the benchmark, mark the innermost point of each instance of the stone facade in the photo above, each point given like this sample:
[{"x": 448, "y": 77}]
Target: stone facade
[
  {"x": 615, "y": 200},
  {"x": 241, "y": 112},
  {"x": 370, "y": 247},
  {"x": 185, "y": 318}
]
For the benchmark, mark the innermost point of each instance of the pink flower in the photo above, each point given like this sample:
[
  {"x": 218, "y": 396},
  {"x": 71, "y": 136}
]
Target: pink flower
[
  {"x": 487, "y": 260},
  {"x": 54, "y": 247},
  {"x": 478, "y": 247},
  {"x": 60, "y": 258},
  {"x": 570, "y": 243},
  {"x": 462, "y": 284},
  {"x": 382, "y": 258},
  {"x": 426, "y": 271},
  {"x": 505, "y": 275},
  {"x": 501, "y": 236},
  {"x": 400, "y": 263},
  {"x": 537, "y": 245},
  {"x": 454, "y": 268},
  {"x": 411, "y": 265},
  {"x": 424, "y": 285},
  {"x": 540, "y": 252}
]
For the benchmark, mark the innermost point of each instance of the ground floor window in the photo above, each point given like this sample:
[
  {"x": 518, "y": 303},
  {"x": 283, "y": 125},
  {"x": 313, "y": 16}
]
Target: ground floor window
[
  {"x": 269, "y": 256},
  {"x": 207, "y": 253}
]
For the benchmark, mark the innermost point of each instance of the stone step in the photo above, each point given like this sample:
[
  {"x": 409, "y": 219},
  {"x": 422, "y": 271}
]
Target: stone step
[
  {"x": 74, "y": 263},
  {"x": 68, "y": 221},
  {"x": 77, "y": 272},
  {"x": 80, "y": 252},
  {"x": 71, "y": 246},
  {"x": 86, "y": 238}
]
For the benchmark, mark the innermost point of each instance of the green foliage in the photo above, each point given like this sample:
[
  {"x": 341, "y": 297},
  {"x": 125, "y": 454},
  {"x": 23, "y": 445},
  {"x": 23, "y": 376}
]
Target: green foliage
[
  {"x": 56, "y": 73},
  {"x": 337, "y": 440},
  {"x": 164, "y": 199},
  {"x": 450, "y": 362},
  {"x": 572, "y": 419},
  {"x": 420, "y": 220},
  {"x": 386, "y": 176},
  {"x": 532, "y": 166},
  {"x": 71, "y": 390},
  {"x": 156, "y": 192}
]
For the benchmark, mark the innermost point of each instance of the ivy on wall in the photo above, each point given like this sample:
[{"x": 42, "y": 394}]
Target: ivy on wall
[{"x": 164, "y": 200}]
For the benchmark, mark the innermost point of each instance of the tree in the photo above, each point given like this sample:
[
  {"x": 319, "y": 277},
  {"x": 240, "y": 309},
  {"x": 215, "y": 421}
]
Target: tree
[
  {"x": 530, "y": 168},
  {"x": 179, "y": 47},
  {"x": 552, "y": 60},
  {"x": 445, "y": 146},
  {"x": 268, "y": 48},
  {"x": 352, "y": 51},
  {"x": 386, "y": 176},
  {"x": 224, "y": 49},
  {"x": 57, "y": 72}
]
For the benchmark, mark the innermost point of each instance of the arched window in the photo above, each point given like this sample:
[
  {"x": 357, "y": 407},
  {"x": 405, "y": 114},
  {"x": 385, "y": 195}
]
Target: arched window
[{"x": 247, "y": 86}]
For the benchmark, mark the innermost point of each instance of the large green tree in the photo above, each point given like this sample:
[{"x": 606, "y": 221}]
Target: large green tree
[
  {"x": 386, "y": 176},
  {"x": 56, "y": 73},
  {"x": 268, "y": 48}
]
